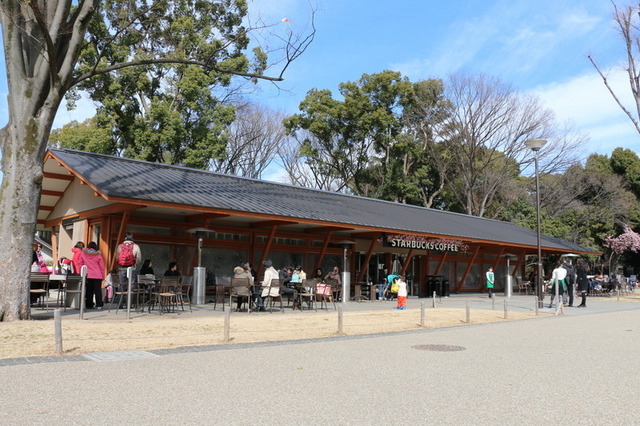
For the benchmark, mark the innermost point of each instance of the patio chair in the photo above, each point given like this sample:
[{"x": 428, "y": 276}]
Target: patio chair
[
  {"x": 273, "y": 293},
  {"x": 167, "y": 295},
  {"x": 336, "y": 290},
  {"x": 240, "y": 288},
  {"x": 40, "y": 287},
  {"x": 324, "y": 293},
  {"x": 183, "y": 291},
  {"x": 308, "y": 294}
]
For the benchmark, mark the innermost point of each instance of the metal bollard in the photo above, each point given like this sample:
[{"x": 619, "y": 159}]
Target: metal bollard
[
  {"x": 83, "y": 289},
  {"x": 340, "y": 321},
  {"x": 434, "y": 299},
  {"x": 536, "y": 307},
  {"x": 57, "y": 319},
  {"x": 493, "y": 303},
  {"x": 227, "y": 325},
  {"x": 506, "y": 309},
  {"x": 468, "y": 312},
  {"x": 423, "y": 315}
]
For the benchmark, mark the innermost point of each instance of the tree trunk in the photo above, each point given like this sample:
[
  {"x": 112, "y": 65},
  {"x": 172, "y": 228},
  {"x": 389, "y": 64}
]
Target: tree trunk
[{"x": 23, "y": 151}]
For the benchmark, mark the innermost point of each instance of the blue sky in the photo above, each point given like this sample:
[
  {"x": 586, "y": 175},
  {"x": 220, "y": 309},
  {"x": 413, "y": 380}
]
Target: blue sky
[{"x": 539, "y": 47}]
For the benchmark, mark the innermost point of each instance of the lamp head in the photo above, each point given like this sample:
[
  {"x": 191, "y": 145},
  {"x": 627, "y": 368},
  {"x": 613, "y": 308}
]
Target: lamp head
[{"x": 535, "y": 144}]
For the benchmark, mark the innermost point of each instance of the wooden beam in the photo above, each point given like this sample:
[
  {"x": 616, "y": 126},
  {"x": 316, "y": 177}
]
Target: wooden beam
[
  {"x": 323, "y": 251},
  {"x": 46, "y": 208},
  {"x": 204, "y": 216},
  {"x": 270, "y": 223},
  {"x": 441, "y": 264},
  {"x": 52, "y": 193},
  {"x": 495, "y": 264},
  {"x": 403, "y": 272},
  {"x": 105, "y": 210},
  {"x": 323, "y": 229},
  {"x": 366, "y": 234},
  {"x": 367, "y": 258},
  {"x": 58, "y": 176},
  {"x": 466, "y": 271},
  {"x": 267, "y": 248}
]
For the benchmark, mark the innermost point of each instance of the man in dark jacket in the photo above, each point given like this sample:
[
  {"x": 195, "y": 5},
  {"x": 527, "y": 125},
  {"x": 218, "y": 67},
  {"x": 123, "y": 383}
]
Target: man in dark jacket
[
  {"x": 285, "y": 285},
  {"x": 570, "y": 281}
]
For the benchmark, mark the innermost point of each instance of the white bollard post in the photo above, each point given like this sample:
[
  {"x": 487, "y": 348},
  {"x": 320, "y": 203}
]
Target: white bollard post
[
  {"x": 227, "y": 325},
  {"x": 129, "y": 278},
  {"x": 468, "y": 312},
  {"x": 423, "y": 315},
  {"x": 340, "y": 321},
  {"x": 506, "y": 309},
  {"x": 434, "y": 299},
  {"x": 83, "y": 289},
  {"x": 57, "y": 319}
]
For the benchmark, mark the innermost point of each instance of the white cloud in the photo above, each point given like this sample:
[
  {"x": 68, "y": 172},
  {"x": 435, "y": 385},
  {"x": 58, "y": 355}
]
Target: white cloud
[{"x": 585, "y": 101}]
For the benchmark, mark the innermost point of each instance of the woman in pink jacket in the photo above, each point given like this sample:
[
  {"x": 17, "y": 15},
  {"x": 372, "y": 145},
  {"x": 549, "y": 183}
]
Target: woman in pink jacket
[
  {"x": 77, "y": 251},
  {"x": 92, "y": 258}
]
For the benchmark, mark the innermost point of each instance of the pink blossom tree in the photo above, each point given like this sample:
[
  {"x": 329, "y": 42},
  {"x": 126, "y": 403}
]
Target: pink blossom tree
[{"x": 628, "y": 240}]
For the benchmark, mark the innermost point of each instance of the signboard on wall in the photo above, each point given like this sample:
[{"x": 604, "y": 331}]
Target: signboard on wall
[{"x": 417, "y": 242}]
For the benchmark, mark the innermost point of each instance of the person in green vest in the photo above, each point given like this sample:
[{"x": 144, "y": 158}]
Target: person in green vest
[{"x": 490, "y": 280}]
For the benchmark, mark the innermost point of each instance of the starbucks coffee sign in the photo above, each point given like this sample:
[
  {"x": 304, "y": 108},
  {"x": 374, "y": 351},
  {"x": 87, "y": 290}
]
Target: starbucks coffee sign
[{"x": 420, "y": 243}]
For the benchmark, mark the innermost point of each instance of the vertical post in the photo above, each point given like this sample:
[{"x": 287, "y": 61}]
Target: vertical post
[
  {"x": 423, "y": 315},
  {"x": 540, "y": 278},
  {"x": 83, "y": 289},
  {"x": 57, "y": 319},
  {"x": 493, "y": 303},
  {"x": 340, "y": 321},
  {"x": 227, "y": 325},
  {"x": 466, "y": 305},
  {"x": 433, "y": 300},
  {"x": 506, "y": 309},
  {"x": 536, "y": 306},
  {"x": 129, "y": 279}
]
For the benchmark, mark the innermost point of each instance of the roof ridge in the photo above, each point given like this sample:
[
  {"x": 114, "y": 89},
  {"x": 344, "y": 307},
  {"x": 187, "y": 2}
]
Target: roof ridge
[{"x": 289, "y": 185}]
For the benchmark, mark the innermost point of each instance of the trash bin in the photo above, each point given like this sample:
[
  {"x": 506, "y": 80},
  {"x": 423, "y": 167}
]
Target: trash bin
[{"x": 446, "y": 288}]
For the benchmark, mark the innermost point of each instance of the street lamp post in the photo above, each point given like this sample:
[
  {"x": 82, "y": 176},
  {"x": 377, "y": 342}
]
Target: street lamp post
[{"x": 535, "y": 145}]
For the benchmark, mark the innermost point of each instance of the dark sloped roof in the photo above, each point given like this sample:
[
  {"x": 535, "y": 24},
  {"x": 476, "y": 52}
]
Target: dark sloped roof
[{"x": 153, "y": 182}]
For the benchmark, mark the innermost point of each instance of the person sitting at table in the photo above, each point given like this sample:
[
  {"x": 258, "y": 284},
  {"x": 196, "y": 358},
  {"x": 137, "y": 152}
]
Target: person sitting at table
[
  {"x": 147, "y": 268},
  {"x": 270, "y": 273},
  {"x": 295, "y": 277},
  {"x": 242, "y": 272},
  {"x": 287, "y": 286},
  {"x": 172, "y": 271},
  {"x": 334, "y": 274},
  {"x": 318, "y": 275},
  {"x": 92, "y": 258}
]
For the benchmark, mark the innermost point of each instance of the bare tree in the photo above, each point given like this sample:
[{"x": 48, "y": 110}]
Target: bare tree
[
  {"x": 253, "y": 143},
  {"x": 490, "y": 123},
  {"x": 303, "y": 172},
  {"x": 43, "y": 43},
  {"x": 627, "y": 20}
]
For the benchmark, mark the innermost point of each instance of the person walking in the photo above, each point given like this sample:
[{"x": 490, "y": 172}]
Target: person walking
[
  {"x": 128, "y": 255},
  {"x": 490, "y": 280},
  {"x": 92, "y": 259},
  {"x": 583, "y": 282},
  {"x": 402, "y": 293},
  {"x": 557, "y": 279}
]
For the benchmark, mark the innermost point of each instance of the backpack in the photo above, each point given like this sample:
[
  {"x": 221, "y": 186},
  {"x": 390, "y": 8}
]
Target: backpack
[
  {"x": 126, "y": 256},
  {"x": 394, "y": 286}
]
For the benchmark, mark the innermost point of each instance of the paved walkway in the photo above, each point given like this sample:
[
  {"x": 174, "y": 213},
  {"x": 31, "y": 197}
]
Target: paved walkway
[{"x": 577, "y": 369}]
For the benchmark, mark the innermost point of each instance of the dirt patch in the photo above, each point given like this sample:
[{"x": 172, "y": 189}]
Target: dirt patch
[{"x": 37, "y": 338}]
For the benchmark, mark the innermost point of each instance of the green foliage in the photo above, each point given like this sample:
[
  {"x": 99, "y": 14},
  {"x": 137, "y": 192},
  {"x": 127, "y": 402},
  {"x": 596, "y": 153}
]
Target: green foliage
[
  {"x": 166, "y": 111},
  {"x": 85, "y": 136}
]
